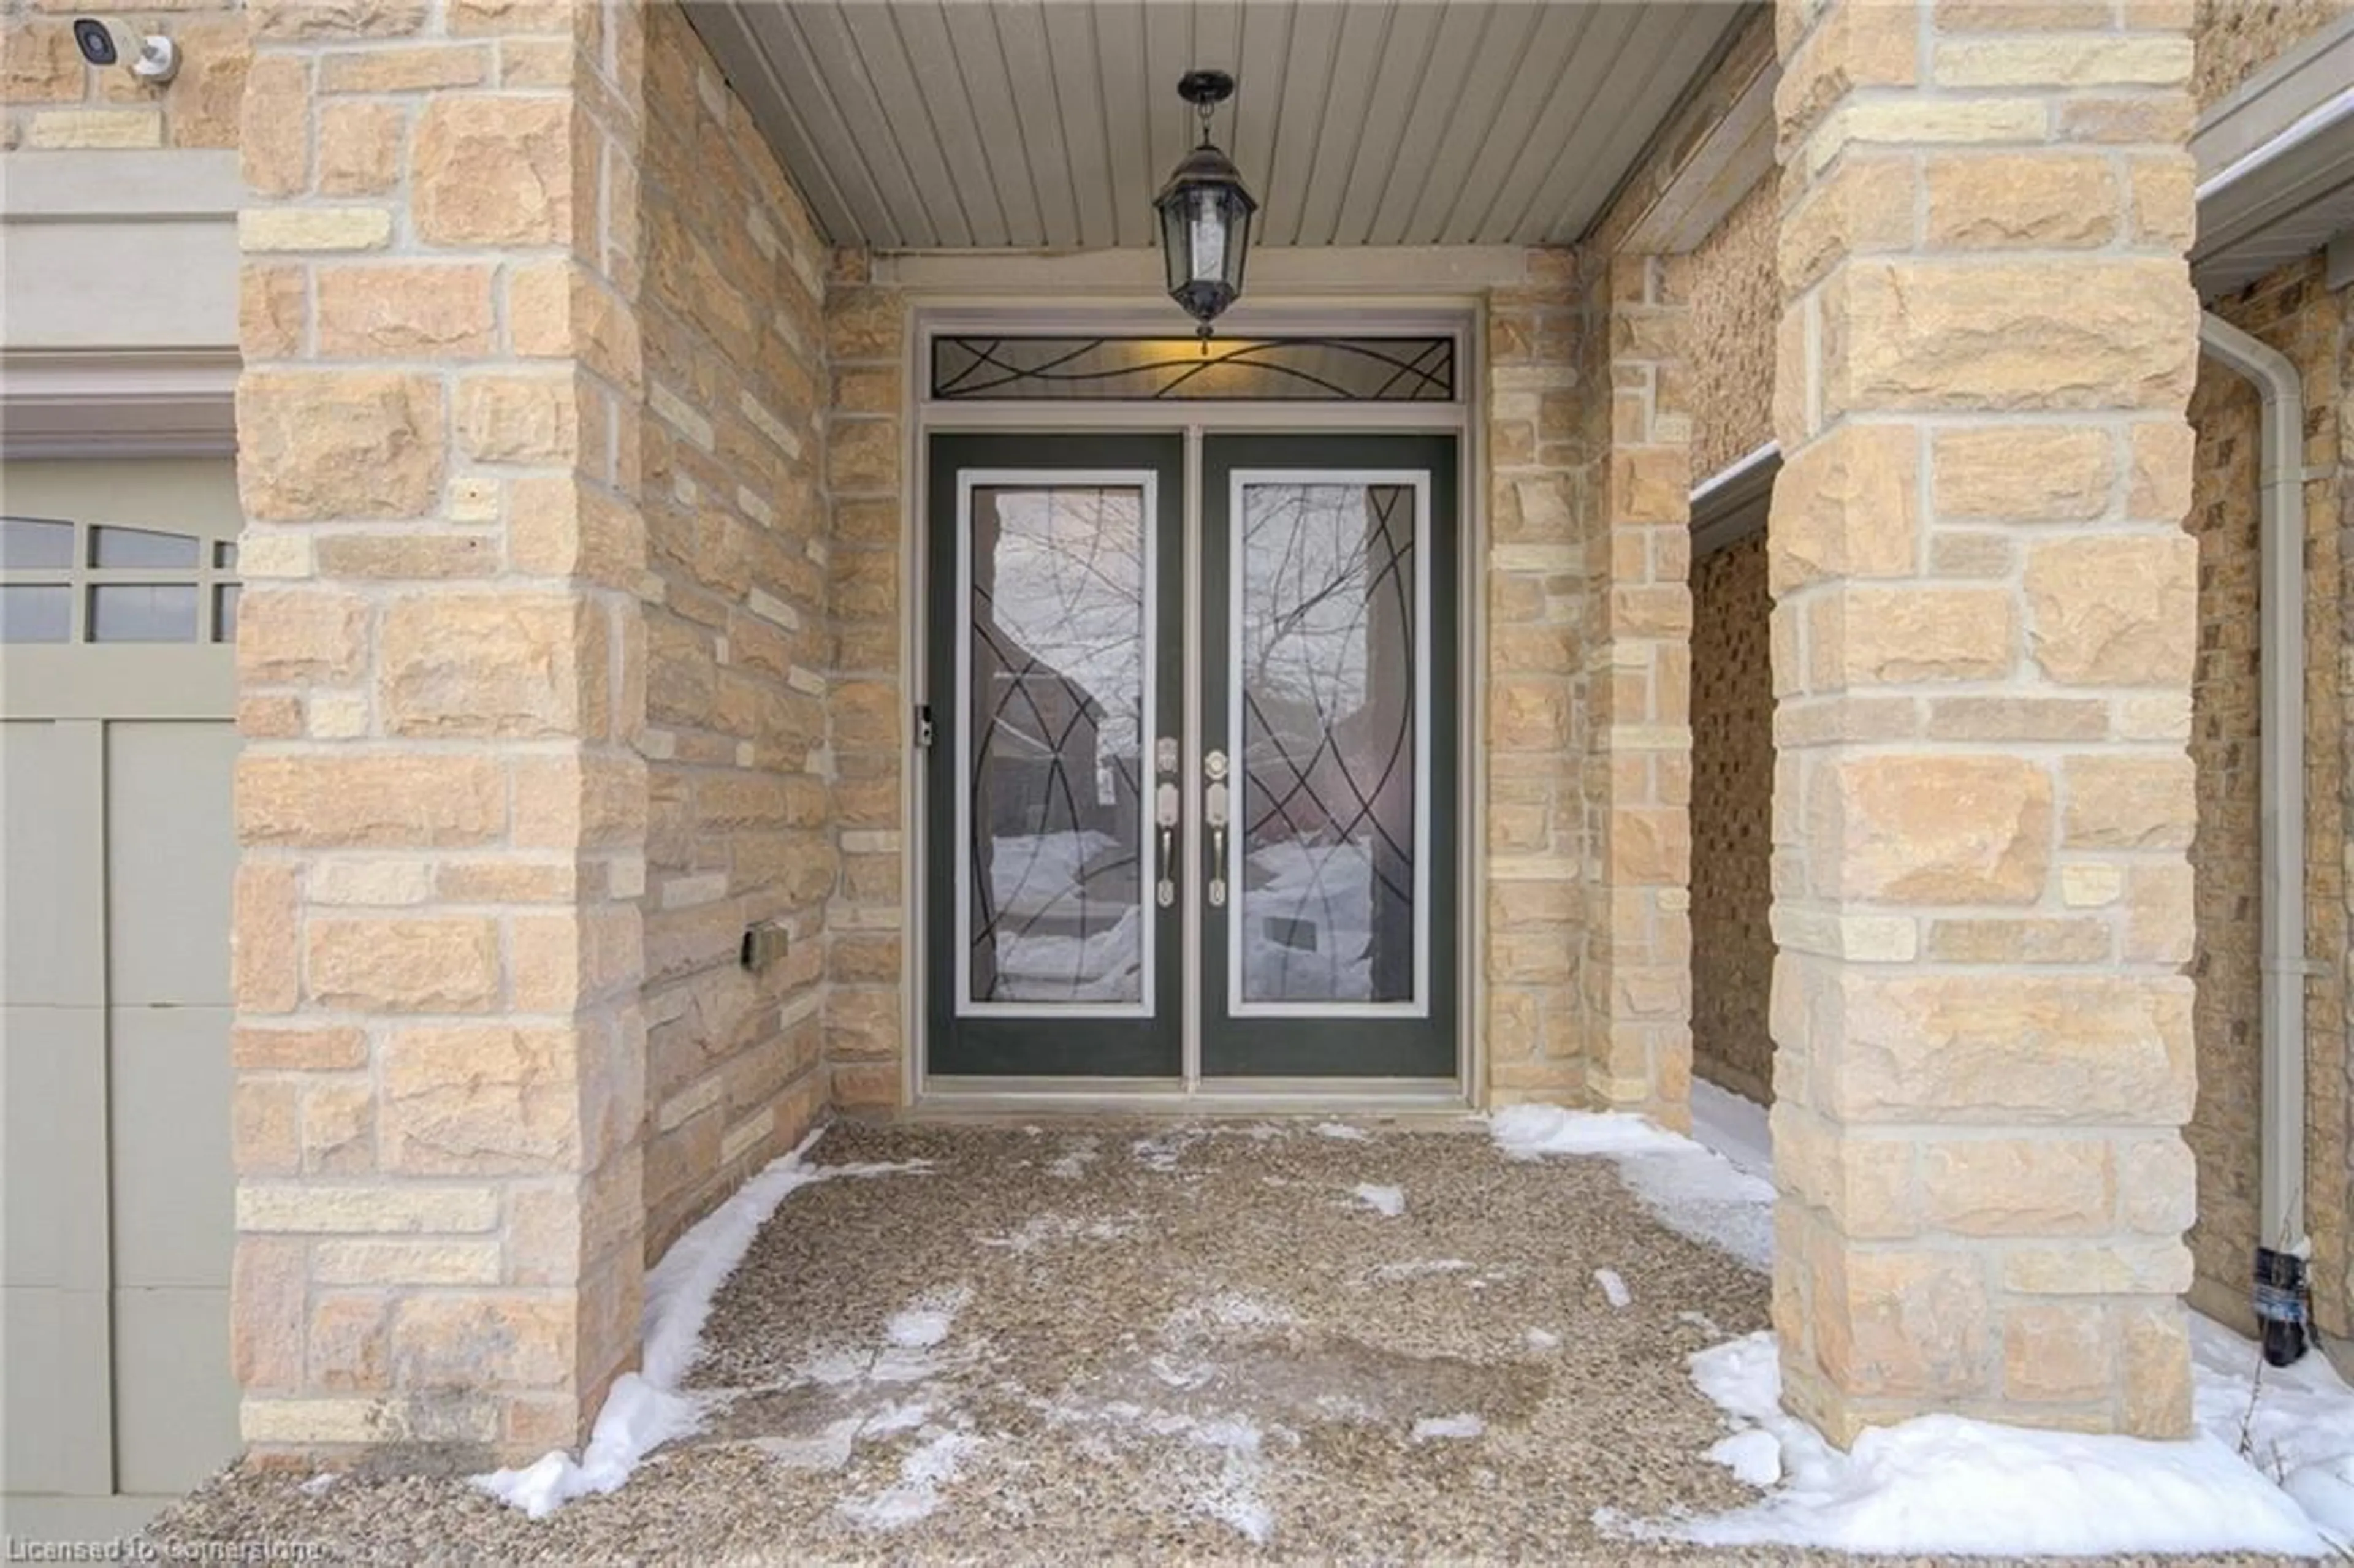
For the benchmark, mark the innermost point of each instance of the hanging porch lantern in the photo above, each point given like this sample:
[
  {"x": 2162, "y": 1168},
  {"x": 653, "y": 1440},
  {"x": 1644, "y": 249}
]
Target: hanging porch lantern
[{"x": 1205, "y": 213}]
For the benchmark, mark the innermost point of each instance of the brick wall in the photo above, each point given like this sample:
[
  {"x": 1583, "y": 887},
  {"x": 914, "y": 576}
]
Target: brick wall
[
  {"x": 49, "y": 98},
  {"x": 2235, "y": 39},
  {"x": 1736, "y": 302},
  {"x": 737, "y": 637},
  {"x": 2291, "y": 310},
  {"x": 1732, "y": 828}
]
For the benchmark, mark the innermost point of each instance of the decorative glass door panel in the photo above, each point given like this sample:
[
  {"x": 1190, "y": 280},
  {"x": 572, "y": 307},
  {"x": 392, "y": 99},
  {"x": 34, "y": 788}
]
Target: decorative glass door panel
[
  {"x": 1051, "y": 561},
  {"x": 1327, "y": 653},
  {"x": 1300, "y": 834}
]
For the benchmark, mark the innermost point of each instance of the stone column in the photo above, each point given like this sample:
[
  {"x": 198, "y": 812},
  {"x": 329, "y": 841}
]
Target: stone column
[
  {"x": 1636, "y": 974},
  {"x": 439, "y": 1046},
  {"x": 1589, "y": 677},
  {"x": 867, "y": 954},
  {"x": 1982, "y": 642},
  {"x": 1534, "y": 580}
]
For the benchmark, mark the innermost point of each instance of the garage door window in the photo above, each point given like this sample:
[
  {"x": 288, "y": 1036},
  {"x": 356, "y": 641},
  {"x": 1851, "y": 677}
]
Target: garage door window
[{"x": 62, "y": 581}]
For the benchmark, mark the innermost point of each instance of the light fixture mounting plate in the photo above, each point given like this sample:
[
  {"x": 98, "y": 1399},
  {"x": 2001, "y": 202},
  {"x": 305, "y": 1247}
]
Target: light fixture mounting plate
[{"x": 1206, "y": 87}]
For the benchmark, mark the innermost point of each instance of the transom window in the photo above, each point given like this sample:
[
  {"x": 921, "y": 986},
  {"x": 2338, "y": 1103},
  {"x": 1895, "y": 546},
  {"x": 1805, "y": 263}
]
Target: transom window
[
  {"x": 975, "y": 367},
  {"x": 66, "y": 581}
]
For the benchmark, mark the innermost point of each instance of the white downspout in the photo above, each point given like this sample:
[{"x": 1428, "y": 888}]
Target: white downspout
[{"x": 2281, "y": 761}]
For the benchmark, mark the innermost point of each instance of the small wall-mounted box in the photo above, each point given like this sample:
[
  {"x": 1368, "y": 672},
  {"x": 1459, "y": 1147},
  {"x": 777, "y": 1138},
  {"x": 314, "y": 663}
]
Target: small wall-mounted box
[{"x": 764, "y": 944}]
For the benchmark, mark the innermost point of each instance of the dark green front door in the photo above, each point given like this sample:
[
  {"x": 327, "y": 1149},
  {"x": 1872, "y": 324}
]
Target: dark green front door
[{"x": 1299, "y": 833}]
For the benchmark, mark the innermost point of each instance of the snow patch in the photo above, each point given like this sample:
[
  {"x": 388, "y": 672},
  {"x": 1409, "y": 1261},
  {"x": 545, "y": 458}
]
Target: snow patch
[
  {"x": 1041, "y": 1230},
  {"x": 922, "y": 1473},
  {"x": 925, "y": 1322},
  {"x": 1232, "y": 1497},
  {"x": 318, "y": 1485},
  {"x": 1613, "y": 1288},
  {"x": 2294, "y": 1424},
  {"x": 1163, "y": 1151},
  {"x": 1753, "y": 1456},
  {"x": 827, "y": 1448},
  {"x": 1735, "y": 1128},
  {"x": 1691, "y": 1190},
  {"x": 1386, "y": 1200},
  {"x": 1229, "y": 1310},
  {"x": 1449, "y": 1426},
  {"x": 1420, "y": 1267},
  {"x": 645, "y": 1409},
  {"x": 1542, "y": 1339},
  {"x": 1342, "y": 1132},
  {"x": 1074, "y": 1160},
  {"x": 1943, "y": 1485}
]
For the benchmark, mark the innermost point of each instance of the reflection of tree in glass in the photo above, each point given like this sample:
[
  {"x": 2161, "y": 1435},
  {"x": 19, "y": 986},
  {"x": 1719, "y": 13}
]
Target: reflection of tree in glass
[
  {"x": 1056, "y": 668},
  {"x": 1328, "y": 681}
]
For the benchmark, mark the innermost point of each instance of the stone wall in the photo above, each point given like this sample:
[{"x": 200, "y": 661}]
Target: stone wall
[
  {"x": 442, "y": 801},
  {"x": 1732, "y": 811},
  {"x": 2236, "y": 39},
  {"x": 50, "y": 99},
  {"x": 2292, "y": 312},
  {"x": 1736, "y": 303},
  {"x": 739, "y": 642},
  {"x": 867, "y": 957}
]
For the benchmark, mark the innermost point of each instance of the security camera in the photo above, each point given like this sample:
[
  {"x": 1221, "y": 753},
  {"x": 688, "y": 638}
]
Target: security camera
[{"x": 151, "y": 58}]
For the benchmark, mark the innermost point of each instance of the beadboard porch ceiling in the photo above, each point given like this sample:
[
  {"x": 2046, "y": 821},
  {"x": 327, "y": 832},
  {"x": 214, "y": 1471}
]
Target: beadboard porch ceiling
[{"x": 1030, "y": 124}]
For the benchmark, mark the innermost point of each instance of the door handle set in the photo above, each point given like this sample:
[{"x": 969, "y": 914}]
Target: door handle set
[
  {"x": 1167, "y": 809},
  {"x": 1168, "y": 818},
  {"x": 1215, "y": 808}
]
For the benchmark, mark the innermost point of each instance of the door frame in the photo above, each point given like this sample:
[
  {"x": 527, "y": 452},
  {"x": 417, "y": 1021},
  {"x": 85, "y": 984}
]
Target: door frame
[{"x": 1463, "y": 420}]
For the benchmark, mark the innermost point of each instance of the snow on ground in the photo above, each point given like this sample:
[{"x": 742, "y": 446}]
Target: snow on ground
[
  {"x": 1042, "y": 1230},
  {"x": 2270, "y": 1468},
  {"x": 1342, "y": 1132},
  {"x": 925, "y": 1322},
  {"x": 1690, "y": 1189},
  {"x": 645, "y": 1408},
  {"x": 2294, "y": 1424},
  {"x": 1076, "y": 1157},
  {"x": 916, "y": 1493},
  {"x": 1733, "y": 1127},
  {"x": 1388, "y": 1200},
  {"x": 1614, "y": 1288},
  {"x": 1451, "y": 1427},
  {"x": 1415, "y": 1268},
  {"x": 1941, "y": 1485}
]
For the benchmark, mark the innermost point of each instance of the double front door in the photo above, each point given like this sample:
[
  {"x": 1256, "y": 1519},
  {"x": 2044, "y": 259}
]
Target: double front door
[{"x": 1193, "y": 779}]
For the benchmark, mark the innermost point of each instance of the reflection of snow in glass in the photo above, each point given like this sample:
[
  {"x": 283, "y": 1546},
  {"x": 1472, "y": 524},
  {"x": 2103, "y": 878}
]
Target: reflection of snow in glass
[
  {"x": 1326, "y": 644},
  {"x": 1308, "y": 931},
  {"x": 1054, "y": 941}
]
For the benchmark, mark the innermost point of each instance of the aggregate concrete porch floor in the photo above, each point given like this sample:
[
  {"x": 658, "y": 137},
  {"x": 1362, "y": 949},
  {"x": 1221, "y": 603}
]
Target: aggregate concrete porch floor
[{"x": 1102, "y": 1341}]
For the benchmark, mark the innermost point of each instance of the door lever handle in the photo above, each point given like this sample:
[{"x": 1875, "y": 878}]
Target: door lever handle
[
  {"x": 1165, "y": 809},
  {"x": 1216, "y": 806}
]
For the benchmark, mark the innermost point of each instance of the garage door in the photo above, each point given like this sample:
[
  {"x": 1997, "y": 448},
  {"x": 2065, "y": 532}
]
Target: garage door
[{"x": 118, "y": 604}]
